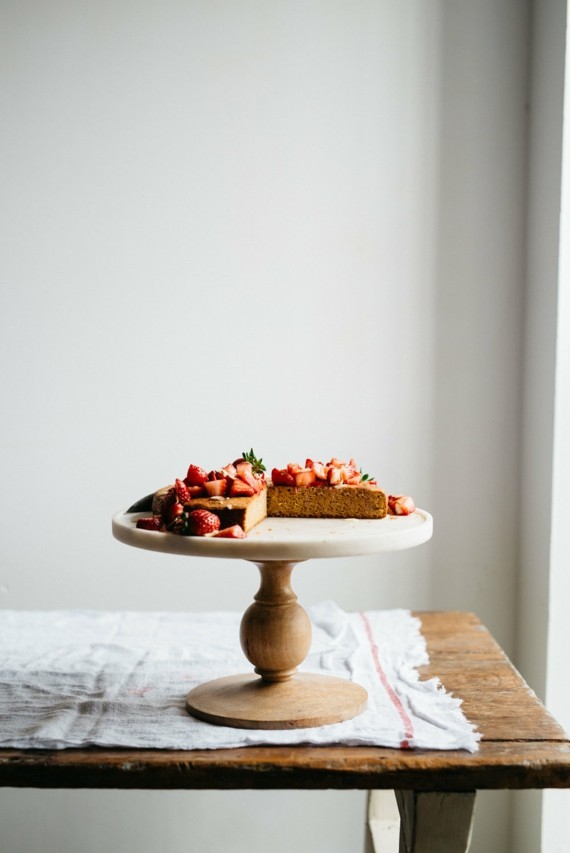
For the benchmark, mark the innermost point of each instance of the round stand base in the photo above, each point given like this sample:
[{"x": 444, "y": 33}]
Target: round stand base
[{"x": 249, "y": 702}]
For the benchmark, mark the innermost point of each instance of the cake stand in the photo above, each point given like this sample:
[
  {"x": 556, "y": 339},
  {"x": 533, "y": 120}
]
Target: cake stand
[{"x": 275, "y": 631}]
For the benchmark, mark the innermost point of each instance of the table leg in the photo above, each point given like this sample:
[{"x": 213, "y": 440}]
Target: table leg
[
  {"x": 435, "y": 822},
  {"x": 383, "y": 823}
]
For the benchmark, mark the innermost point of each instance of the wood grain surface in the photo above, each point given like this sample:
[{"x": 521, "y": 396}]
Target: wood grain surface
[{"x": 522, "y": 745}]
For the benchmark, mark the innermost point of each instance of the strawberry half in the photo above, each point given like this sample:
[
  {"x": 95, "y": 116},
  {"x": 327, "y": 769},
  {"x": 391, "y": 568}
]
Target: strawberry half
[
  {"x": 196, "y": 476},
  {"x": 182, "y": 491},
  {"x": 199, "y": 522}
]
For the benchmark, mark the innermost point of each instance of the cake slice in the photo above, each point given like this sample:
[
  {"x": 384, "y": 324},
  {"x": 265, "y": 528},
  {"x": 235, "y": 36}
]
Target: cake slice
[
  {"x": 335, "y": 490},
  {"x": 245, "y": 511},
  {"x": 237, "y": 494}
]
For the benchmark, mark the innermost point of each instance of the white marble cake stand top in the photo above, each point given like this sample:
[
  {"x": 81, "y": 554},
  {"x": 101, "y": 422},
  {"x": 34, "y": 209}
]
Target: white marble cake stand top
[{"x": 292, "y": 539}]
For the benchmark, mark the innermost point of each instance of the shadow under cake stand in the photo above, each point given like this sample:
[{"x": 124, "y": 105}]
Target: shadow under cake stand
[{"x": 275, "y": 631}]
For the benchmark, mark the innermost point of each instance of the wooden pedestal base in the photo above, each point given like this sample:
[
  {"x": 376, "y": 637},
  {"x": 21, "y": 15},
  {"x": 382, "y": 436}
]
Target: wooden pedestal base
[
  {"x": 275, "y": 635},
  {"x": 250, "y": 702}
]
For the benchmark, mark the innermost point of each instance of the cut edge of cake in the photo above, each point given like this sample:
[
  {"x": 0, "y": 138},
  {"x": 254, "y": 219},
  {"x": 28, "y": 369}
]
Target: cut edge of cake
[{"x": 344, "y": 501}]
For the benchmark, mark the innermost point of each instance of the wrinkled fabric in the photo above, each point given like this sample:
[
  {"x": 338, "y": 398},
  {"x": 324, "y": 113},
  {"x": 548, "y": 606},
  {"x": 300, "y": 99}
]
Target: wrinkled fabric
[{"x": 120, "y": 679}]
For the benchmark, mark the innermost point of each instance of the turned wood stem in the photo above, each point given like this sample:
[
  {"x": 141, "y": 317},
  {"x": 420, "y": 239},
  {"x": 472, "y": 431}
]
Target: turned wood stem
[{"x": 275, "y": 631}]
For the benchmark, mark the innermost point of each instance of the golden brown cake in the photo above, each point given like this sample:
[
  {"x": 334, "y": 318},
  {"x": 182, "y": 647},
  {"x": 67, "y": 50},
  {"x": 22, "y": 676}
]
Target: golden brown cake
[
  {"x": 335, "y": 490},
  {"x": 236, "y": 494},
  {"x": 326, "y": 502},
  {"x": 240, "y": 497},
  {"x": 245, "y": 511}
]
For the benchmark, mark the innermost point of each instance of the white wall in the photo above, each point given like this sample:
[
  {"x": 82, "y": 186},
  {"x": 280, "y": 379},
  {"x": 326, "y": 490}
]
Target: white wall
[{"x": 294, "y": 225}]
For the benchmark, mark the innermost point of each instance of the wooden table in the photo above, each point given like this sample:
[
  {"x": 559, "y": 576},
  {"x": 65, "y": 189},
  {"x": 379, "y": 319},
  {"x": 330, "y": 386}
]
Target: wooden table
[{"x": 522, "y": 747}]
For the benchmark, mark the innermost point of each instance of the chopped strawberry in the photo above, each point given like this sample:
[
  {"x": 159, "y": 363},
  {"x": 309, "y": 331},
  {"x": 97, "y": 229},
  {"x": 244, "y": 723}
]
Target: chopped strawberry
[
  {"x": 200, "y": 522},
  {"x": 154, "y": 523},
  {"x": 196, "y": 476},
  {"x": 320, "y": 470},
  {"x": 293, "y": 467},
  {"x": 305, "y": 477},
  {"x": 229, "y": 471},
  {"x": 354, "y": 479},
  {"x": 241, "y": 489},
  {"x": 195, "y": 491},
  {"x": 233, "y": 532},
  {"x": 281, "y": 477},
  {"x": 173, "y": 511},
  {"x": 215, "y": 488},
  {"x": 245, "y": 472},
  {"x": 182, "y": 492},
  {"x": 401, "y": 504},
  {"x": 335, "y": 476},
  {"x": 216, "y": 474}
]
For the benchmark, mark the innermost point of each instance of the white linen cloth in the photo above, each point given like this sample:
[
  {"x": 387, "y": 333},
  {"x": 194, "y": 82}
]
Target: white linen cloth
[{"x": 119, "y": 679}]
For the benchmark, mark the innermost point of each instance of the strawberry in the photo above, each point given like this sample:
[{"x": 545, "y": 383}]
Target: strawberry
[
  {"x": 216, "y": 474},
  {"x": 196, "y": 476},
  {"x": 233, "y": 532},
  {"x": 281, "y": 477},
  {"x": 173, "y": 511},
  {"x": 319, "y": 469},
  {"x": 245, "y": 472},
  {"x": 305, "y": 477},
  {"x": 241, "y": 489},
  {"x": 215, "y": 488},
  {"x": 335, "y": 476},
  {"x": 401, "y": 504},
  {"x": 182, "y": 492},
  {"x": 195, "y": 491},
  {"x": 154, "y": 523},
  {"x": 199, "y": 522},
  {"x": 257, "y": 465}
]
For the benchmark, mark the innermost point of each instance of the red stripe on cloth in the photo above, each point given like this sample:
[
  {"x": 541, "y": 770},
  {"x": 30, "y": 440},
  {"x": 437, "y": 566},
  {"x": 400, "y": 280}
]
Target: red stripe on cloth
[{"x": 394, "y": 698}]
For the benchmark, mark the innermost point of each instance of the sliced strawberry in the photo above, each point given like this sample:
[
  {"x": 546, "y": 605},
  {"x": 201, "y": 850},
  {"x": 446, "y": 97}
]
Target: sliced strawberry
[
  {"x": 233, "y": 532},
  {"x": 229, "y": 471},
  {"x": 335, "y": 476},
  {"x": 293, "y": 467},
  {"x": 242, "y": 466},
  {"x": 154, "y": 523},
  {"x": 401, "y": 504},
  {"x": 173, "y": 511},
  {"x": 200, "y": 522},
  {"x": 241, "y": 489},
  {"x": 196, "y": 476},
  {"x": 182, "y": 492},
  {"x": 195, "y": 491},
  {"x": 215, "y": 488},
  {"x": 305, "y": 477},
  {"x": 245, "y": 472},
  {"x": 320, "y": 470},
  {"x": 281, "y": 477},
  {"x": 216, "y": 474}
]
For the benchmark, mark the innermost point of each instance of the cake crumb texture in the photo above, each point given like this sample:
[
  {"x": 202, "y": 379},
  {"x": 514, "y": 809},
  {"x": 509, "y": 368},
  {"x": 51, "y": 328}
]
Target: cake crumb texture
[{"x": 326, "y": 502}]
